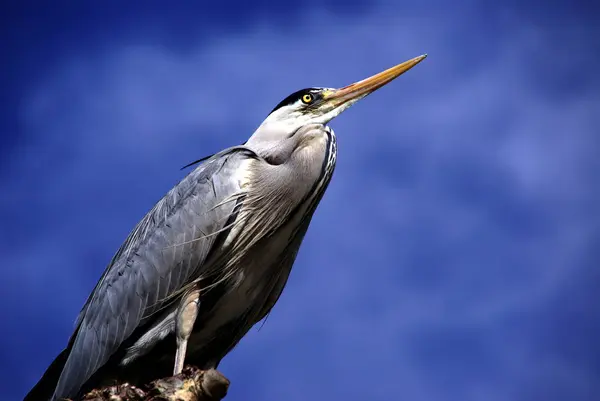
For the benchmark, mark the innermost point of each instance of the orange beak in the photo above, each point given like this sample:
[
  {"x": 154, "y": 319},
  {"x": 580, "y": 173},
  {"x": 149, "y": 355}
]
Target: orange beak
[{"x": 360, "y": 89}]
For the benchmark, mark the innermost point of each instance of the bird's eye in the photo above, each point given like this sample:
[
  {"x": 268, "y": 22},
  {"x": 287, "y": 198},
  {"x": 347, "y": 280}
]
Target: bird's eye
[{"x": 307, "y": 98}]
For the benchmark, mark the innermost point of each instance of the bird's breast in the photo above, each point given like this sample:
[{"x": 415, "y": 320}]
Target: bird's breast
[
  {"x": 254, "y": 276},
  {"x": 266, "y": 235}
]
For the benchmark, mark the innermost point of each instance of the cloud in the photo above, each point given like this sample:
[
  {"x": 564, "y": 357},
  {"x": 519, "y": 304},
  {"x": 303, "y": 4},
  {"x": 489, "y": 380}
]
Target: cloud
[{"x": 461, "y": 200}]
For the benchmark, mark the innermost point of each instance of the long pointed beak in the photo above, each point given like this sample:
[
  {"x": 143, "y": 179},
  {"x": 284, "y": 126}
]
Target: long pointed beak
[{"x": 358, "y": 90}]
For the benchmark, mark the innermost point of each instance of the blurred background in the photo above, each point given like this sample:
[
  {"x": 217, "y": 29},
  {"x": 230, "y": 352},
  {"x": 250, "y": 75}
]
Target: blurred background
[{"x": 455, "y": 255}]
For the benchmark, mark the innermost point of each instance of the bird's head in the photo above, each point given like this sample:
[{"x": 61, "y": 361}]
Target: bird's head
[{"x": 321, "y": 105}]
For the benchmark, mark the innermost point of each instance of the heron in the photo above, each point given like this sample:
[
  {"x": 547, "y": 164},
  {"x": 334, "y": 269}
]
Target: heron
[{"x": 213, "y": 255}]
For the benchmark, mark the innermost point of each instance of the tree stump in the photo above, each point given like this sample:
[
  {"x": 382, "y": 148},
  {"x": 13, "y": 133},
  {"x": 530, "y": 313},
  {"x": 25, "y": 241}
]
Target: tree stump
[{"x": 192, "y": 384}]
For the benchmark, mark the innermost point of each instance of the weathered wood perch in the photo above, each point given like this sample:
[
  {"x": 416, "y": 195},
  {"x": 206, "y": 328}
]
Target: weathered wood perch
[{"x": 192, "y": 384}]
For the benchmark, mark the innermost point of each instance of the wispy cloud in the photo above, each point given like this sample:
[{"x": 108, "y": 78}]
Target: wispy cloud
[{"x": 459, "y": 209}]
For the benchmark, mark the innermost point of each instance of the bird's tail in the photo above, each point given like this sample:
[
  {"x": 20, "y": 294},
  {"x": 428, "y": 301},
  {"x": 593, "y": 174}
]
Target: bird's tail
[{"x": 44, "y": 389}]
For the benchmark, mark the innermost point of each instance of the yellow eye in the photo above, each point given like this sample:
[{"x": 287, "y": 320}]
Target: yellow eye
[{"x": 307, "y": 98}]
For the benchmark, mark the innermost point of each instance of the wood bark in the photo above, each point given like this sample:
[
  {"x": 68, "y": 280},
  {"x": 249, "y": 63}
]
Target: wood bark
[{"x": 191, "y": 385}]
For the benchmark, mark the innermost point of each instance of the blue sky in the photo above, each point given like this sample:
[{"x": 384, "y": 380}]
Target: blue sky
[{"x": 455, "y": 254}]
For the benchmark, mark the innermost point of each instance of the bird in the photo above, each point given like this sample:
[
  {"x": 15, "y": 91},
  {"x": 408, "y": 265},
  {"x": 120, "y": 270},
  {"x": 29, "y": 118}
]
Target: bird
[{"x": 211, "y": 258}]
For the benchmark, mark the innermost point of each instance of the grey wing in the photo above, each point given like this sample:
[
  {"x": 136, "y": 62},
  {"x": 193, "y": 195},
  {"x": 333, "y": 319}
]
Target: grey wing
[{"x": 159, "y": 256}]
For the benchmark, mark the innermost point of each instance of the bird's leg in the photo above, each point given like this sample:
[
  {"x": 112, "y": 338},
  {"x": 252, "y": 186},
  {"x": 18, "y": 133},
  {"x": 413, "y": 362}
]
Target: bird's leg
[{"x": 184, "y": 323}]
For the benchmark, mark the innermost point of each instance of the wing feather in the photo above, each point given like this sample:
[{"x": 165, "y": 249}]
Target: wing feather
[{"x": 150, "y": 265}]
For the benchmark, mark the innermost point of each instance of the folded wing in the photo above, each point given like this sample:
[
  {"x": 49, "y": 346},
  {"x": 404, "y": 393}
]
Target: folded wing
[{"x": 166, "y": 249}]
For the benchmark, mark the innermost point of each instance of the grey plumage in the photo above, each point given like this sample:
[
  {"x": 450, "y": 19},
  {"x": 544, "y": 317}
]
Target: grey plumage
[
  {"x": 151, "y": 265},
  {"x": 227, "y": 236}
]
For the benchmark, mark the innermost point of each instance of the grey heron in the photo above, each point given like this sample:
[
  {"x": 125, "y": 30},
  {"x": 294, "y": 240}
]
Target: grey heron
[{"x": 212, "y": 257}]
